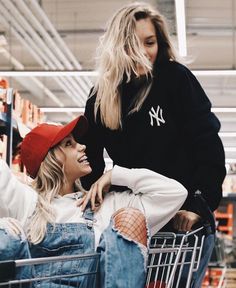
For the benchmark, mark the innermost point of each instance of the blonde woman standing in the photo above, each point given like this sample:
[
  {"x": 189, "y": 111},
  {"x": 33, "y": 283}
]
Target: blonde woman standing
[{"x": 149, "y": 111}]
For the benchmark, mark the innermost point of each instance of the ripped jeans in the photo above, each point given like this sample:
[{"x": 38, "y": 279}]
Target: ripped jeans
[
  {"x": 122, "y": 257},
  {"x": 13, "y": 246}
]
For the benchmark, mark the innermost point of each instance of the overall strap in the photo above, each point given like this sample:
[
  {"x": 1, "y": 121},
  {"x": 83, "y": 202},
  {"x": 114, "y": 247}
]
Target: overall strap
[{"x": 88, "y": 215}]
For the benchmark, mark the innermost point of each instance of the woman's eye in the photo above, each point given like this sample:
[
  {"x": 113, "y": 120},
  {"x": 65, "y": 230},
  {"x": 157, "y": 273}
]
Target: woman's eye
[
  {"x": 150, "y": 43},
  {"x": 68, "y": 143}
]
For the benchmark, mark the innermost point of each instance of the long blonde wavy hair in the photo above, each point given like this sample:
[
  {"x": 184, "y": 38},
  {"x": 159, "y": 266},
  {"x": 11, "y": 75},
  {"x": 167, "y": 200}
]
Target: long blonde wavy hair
[
  {"x": 117, "y": 53},
  {"x": 48, "y": 183}
]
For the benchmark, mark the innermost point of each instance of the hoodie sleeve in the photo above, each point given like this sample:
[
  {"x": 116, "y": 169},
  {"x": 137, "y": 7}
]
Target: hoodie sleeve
[
  {"x": 17, "y": 200},
  {"x": 199, "y": 127},
  {"x": 157, "y": 196},
  {"x": 93, "y": 140}
]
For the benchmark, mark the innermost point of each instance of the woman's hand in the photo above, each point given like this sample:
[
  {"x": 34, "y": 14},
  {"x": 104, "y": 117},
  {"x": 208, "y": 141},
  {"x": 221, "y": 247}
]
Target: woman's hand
[
  {"x": 184, "y": 220},
  {"x": 96, "y": 192}
]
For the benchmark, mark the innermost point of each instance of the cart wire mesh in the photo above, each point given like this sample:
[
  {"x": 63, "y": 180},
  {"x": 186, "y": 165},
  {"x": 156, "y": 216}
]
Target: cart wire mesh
[
  {"x": 59, "y": 271},
  {"x": 173, "y": 258}
]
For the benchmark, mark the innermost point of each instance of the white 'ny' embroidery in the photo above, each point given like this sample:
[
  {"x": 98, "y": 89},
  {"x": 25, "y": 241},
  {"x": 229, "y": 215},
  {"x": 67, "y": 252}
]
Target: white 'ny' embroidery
[{"x": 156, "y": 115}]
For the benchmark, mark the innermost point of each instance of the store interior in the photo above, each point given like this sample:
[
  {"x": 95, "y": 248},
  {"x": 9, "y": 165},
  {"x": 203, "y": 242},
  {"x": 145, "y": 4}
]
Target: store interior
[{"x": 47, "y": 55}]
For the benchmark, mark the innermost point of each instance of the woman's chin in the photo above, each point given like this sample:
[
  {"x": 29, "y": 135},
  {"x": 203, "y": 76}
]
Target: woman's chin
[{"x": 87, "y": 171}]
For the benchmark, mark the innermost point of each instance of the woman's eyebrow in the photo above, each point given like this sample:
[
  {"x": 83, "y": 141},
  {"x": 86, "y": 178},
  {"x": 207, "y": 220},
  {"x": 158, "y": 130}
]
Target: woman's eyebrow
[
  {"x": 151, "y": 36},
  {"x": 66, "y": 139}
]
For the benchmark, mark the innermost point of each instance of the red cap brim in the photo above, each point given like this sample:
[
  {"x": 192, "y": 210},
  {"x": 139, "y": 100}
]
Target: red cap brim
[{"x": 77, "y": 127}]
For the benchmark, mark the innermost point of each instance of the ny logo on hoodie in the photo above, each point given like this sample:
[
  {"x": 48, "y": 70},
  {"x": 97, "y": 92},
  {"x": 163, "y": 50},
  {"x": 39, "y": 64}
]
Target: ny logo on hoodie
[{"x": 156, "y": 115}]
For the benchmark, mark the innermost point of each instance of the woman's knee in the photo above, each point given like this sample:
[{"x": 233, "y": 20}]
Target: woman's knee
[{"x": 131, "y": 223}]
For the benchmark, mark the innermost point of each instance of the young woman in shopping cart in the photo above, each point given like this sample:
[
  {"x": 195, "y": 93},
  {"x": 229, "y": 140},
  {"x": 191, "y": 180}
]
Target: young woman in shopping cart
[{"x": 61, "y": 218}]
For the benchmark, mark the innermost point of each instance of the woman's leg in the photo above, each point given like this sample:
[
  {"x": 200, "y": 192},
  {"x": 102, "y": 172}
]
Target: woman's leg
[
  {"x": 13, "y": 246},
  {"x": 123, "y": 248}
]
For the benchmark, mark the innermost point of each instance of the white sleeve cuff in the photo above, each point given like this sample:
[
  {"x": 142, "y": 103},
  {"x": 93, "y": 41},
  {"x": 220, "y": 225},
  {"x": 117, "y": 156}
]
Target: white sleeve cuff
[{"x": 121, "y": 176}]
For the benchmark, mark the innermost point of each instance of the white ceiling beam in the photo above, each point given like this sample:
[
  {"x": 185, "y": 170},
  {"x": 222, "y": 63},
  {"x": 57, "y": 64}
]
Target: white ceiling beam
[
  {"x": 57, "y": 53},
  {"x": 54, "y": 62},
  {"x": 181, "y": 27},
  {"x": 24, "y": 83},
  {"x": 41, "y": 14},
  {"x": 46, "y": 73},
  {"x": 36, "y": 44}
]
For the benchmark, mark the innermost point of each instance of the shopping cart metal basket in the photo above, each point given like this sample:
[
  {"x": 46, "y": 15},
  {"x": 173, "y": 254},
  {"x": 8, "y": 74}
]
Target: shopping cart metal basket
[
  {"x": 170, "y": 257},
  {"x": 173, "y": 258},
  {"x": 51, "y": 272}
]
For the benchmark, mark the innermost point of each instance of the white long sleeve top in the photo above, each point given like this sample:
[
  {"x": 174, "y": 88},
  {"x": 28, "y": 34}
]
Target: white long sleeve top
[{"x": 157, "y": 196}]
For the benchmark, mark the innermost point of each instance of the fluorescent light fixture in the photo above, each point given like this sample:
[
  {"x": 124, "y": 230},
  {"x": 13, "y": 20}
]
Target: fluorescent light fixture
[
  {"x": 61, "y": 109},
  {"x": 24, "y": 73},
  {"x": 81, "y": 110},
  {"x": 214, "y": 72},
  {"x": 230, "y": 160},
  {"x": 78, "y": 73},
  {"x": 227, "y": 134},
  {"x": 224, "y": 109},
  {"x": 181, "y": 26},
  {"x": 230, "y": 149}
]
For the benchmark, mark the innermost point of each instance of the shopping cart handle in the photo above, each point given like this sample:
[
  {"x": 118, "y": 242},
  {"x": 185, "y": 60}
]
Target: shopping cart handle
[
  {"x": 208, "y": 219},
  {"x": 7, "y": 270}
]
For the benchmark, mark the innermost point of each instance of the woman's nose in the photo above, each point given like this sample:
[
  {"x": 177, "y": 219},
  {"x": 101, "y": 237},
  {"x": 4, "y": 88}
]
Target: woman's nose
[{"x": 81, "y": 147}]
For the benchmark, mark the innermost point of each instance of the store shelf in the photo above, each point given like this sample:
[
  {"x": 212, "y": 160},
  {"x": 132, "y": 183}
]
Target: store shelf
[
  {"x": 19, "y": 128},
  {"x": 3, "y": 123}
]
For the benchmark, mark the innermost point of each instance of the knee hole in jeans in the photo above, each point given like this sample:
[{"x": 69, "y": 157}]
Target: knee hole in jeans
[{"x": 131, "y": 223}]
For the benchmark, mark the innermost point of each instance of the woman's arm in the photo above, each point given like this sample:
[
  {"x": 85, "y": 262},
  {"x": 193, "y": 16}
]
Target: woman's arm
[
  {"x": 18, "y": 200},
  {"x": 199, "y": 127},
  {"x": 157, "y": 196}
]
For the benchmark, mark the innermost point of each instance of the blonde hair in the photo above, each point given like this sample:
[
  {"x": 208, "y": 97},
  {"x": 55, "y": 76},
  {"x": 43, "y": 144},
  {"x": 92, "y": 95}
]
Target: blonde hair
[
  {"x": 117, "y": 54},
  {"x": 48, "y": 183}
]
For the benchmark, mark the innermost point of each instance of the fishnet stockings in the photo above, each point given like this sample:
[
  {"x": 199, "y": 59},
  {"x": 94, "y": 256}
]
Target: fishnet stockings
[{"x": 131, "y": 223}]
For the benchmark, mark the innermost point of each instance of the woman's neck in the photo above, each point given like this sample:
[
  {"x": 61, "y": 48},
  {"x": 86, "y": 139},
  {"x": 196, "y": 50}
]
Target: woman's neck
[{"x": 67, "y": 189}]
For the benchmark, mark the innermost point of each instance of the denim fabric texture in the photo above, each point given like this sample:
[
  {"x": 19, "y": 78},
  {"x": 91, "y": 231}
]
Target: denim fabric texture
[
  {"x": 198, "y": 276},
  {"x": 64, "y": 240},
  {"x": 13, "y": 247},
  {"x": 121, "y": 261},
  {"x": 208, "y": 246}
]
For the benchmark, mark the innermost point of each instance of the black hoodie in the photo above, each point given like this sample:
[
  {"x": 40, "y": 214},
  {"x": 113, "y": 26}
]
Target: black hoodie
[{"x": 174, "y": 133}]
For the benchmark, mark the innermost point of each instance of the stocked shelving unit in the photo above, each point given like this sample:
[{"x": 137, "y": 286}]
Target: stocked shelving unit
[
  {"x": 14, "y": 125},
  {"x": 7, "y": 123}
]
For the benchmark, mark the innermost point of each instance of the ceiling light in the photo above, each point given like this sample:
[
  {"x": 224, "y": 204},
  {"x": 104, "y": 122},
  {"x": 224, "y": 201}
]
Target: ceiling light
[
  {"x": 61, "y": 110},
  {"x": 57, "y": 73},
  {"x": 214, "y": 72},
  {"x": 227, "y": 134},
  {"x": 230, "y": 149},
  {"x": 224, "y": 109},
  {"x": 230, "y": 160},
  {"x": 181, "y": 26}
]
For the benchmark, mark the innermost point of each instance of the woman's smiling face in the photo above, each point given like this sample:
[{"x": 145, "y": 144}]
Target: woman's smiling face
[
  {"x": 74, "y": 159},
  {"x": 147, "y": 36}
]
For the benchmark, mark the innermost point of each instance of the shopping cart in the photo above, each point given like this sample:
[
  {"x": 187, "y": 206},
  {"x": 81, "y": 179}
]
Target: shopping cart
[
  {"x": 51, "y": 272},
  {"x": 170, "y": 256},
  {"x": 173, "y": 258}
]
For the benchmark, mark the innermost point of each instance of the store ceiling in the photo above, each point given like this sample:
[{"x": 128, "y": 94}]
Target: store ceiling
[{"x": 63, "y": 35}]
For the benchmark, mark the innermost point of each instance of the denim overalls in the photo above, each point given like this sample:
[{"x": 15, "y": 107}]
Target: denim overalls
[{"x": 122, "y": 262}]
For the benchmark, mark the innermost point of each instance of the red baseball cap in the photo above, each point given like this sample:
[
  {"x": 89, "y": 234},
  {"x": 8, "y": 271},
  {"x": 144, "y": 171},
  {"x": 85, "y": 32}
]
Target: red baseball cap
[{"x": 42, "y": 138}]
